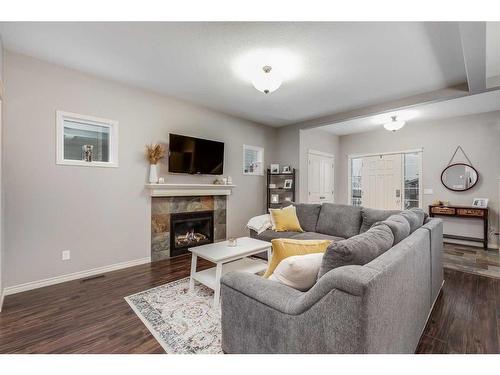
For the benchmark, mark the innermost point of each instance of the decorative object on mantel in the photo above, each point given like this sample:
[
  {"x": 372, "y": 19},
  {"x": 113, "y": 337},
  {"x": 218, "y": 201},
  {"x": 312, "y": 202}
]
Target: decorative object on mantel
[
  {"x": 154, "y": 153},
  {"x": 161, "y": 180},
  {"x": 480, "y": 202},
  {"x": 441, "y": 203},
  {"x": 459, "y": 176}
]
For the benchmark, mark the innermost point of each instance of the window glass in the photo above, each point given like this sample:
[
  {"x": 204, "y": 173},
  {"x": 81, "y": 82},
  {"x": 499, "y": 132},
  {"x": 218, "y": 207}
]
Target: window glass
[
  {"x": 411, "y": 180},
  {"x": 84, "y": 140},
  {"x": 252, "y": 160},
  {"x": 356, "y": 194}
]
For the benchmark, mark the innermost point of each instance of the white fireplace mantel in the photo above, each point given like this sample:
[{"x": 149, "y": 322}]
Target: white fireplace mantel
[{"x": 183, "y": 190}]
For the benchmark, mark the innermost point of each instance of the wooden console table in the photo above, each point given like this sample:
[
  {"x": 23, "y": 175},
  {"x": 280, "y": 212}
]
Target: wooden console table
[{"x": 466, "y": 212}]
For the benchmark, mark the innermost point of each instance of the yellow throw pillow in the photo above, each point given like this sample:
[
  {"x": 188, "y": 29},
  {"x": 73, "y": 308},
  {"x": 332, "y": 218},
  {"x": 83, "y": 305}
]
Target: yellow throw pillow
[
  {"x": 285, "y": 219},
  {"x": 287, "y": 247}
]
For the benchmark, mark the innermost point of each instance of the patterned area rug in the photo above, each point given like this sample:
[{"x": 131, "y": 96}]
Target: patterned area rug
[{"x": 183, "y": 323}]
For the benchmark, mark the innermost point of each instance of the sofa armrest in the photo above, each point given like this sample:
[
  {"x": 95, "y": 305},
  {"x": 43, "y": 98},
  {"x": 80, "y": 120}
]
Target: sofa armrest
[{"x": 350, "y": 279}]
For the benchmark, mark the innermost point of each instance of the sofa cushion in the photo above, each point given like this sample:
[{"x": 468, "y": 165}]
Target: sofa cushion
[
  {"x": 299, "y": 271},
  {"x": 269, "y": 235},
  {"x": 357, "y": 250},
  {"x": 399, "y": 226},
  {"x": 339, "y": 220},
  {"x": 316, "y": 236},
  {"x": 287, "y": 247},
  {"x": 308, "y": 215},
  {"x": 285, "y": 219},
  {"x": 415, "y": 218},
  {"x": 371, "y": 215}
]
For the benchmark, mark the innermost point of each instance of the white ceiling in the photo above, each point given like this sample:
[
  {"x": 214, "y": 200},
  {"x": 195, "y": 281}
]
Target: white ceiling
[
  {"x": 343, "y": 66},
  {"x": 467, "y": 105}
]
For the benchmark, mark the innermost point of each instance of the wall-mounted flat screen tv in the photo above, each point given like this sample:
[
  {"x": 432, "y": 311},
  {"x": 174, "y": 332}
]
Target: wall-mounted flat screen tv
[{"x": 195, "y": 155}]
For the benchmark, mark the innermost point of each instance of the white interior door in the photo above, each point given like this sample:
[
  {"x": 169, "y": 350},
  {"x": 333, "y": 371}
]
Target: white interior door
[
  {"x": 381, "y": 182},
  {"x": 320, "y": 177}
]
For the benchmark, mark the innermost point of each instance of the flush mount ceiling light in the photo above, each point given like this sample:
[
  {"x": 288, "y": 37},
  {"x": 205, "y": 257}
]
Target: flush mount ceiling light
[
  {"x": 267, "y": 81},
  {"x": 395, "y": 124},
  {"x": 267, "y": 68}
]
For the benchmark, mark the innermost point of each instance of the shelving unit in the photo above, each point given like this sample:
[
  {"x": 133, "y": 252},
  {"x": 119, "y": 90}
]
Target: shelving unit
[{"x": 283, "y": 194}]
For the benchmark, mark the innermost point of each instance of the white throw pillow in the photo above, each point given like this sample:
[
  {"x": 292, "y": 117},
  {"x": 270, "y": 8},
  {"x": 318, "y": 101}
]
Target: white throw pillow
[{"x": 299, "y": 271}]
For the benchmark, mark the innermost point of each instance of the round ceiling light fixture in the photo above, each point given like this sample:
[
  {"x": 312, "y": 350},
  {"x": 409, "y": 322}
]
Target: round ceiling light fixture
[
  {"x": 267, "y": 80},
  {"x": 395, "y": 124}
]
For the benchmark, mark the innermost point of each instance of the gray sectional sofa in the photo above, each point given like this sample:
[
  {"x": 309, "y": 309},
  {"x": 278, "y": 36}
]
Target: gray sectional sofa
[{"x": 378, "y": 307}]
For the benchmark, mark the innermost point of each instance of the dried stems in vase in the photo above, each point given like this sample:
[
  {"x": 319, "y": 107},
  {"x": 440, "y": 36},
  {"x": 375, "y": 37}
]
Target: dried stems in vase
[{"x": 155, "y": 152}]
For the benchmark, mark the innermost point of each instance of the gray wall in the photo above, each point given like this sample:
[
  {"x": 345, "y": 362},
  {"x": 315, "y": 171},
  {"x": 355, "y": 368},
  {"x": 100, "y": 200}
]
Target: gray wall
[
  {"x": 479, "y": 136},
  {"x": 101, "y": 214},
  {"x": 2, "y": 273},
  {"x": 318, "y": 140}
]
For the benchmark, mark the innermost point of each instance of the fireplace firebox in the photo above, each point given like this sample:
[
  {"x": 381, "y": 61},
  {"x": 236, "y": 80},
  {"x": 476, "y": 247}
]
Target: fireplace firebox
[{"x": 190, "y": 229}]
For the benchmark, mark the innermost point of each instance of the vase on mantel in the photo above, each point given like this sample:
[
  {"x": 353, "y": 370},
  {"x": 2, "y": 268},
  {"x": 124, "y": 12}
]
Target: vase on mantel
[{"x": 153, "y": 174}]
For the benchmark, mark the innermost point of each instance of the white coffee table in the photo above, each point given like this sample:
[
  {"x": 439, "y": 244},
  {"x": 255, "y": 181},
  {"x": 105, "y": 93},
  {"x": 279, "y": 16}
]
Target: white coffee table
[{"x": 227, "y": 259}]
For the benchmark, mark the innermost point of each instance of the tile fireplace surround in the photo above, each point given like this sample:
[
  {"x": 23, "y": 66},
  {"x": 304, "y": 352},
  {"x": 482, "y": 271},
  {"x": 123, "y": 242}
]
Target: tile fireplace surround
[{"x": 162, "y": 207}]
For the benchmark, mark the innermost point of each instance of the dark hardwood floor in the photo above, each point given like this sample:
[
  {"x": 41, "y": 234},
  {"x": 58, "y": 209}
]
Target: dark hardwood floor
[{"x": 92, "y": 316}]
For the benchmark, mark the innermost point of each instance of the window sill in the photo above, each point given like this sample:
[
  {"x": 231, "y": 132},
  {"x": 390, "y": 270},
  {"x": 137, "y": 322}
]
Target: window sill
[{"x": 80, "y": 163}]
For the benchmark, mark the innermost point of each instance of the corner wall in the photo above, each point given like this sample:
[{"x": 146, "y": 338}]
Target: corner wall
[
  {"x": 101, "y": 214},
  {"x": 2, "y": 272}
]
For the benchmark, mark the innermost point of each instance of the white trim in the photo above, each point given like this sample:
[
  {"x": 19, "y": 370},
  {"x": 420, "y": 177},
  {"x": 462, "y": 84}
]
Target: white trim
[
  {"x": 113, "y": 139},
  {"x": 320, "y": 153},
  {"x": 73, "y": 276},
  {"x": 260, "y": 150},
  {"x": 2, "y": 296},
  {"x": 355, "y": 156},
  {"x": 186, "y": 190}
]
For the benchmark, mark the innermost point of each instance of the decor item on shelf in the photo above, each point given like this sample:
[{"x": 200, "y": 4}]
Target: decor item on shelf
[
  {"x": 275, "y": 198},
  {"x": 154, "y": 153},
  {"x": 272, "y": 186},
  {"x": 459, "y": 176},
  {"x": 267, "y": 81},
  {"x": 480, "y": 202},
  {"x": 437, "y": 202},
  {"x": 275, "y": 168},
  {"x": 288, "y": 199},
  {"x": 88, "y": 153},
  {"x": 229, "y": 180},
  {"x": 161, "y": 180},
  {"x": 287, "y": 169},
  {"x": 288, "y": 184},
  {"x": 224, "y": 180},
  {"x": 395, "y": 124},
  {"x": 232, "y": 241}
]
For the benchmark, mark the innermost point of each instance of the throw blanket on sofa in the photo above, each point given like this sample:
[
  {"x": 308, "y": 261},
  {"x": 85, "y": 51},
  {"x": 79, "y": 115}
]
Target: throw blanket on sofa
[{"x": 260, "y": 223}]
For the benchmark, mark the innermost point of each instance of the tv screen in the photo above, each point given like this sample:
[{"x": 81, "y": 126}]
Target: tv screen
[{"x": 195, "y": 155}]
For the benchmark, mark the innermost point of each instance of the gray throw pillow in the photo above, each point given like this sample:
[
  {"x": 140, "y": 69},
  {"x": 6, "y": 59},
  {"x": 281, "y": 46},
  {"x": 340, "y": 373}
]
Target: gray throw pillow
[
  {"x": 415, "y": 219},
  {"x": 399, "y": 226},
  {"x": 357, "y": 250},
  {"x": 339, "y": 220},
  {"x": 371, "y": 216}
]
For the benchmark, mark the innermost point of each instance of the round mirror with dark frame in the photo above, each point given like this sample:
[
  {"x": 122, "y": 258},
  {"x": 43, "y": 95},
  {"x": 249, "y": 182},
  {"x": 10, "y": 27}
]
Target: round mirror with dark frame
[{"x": 459, "y": 177}]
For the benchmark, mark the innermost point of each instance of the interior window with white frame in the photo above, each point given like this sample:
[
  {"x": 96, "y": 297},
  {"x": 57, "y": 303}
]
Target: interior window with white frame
[
  {"x": 86, "y": 140},
  {"x": 253, "y": 160}
]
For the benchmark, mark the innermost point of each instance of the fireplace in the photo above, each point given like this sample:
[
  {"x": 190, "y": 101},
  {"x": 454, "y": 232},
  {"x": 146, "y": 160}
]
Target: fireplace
[{"x": 190, "y": 229}]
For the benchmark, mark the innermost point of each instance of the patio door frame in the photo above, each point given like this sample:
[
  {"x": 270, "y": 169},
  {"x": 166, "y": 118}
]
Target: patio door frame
[{"x": 420, "y": 151}]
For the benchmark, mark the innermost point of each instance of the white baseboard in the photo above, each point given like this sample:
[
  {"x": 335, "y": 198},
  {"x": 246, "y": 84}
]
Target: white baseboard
[{"x": 72, "y": 276}]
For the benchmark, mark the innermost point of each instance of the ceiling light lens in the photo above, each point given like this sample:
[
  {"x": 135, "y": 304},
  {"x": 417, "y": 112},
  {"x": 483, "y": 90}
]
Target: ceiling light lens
[
  {"x": 267, "y": 80},
  {"x": 394, "y": 124}
]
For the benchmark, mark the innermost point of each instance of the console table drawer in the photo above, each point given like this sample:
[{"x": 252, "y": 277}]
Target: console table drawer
[
  {"x": 470, "y": 212},
  {"x": 443, "y": 210}
]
